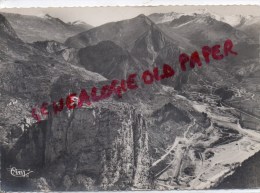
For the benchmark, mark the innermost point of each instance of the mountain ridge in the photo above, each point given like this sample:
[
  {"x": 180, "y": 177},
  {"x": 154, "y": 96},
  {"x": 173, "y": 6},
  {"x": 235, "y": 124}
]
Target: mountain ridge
[{"x": 33, "y": 28}]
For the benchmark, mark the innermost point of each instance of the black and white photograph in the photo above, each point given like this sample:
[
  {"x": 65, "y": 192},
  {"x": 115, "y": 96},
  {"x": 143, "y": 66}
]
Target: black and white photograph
[{"x": 130, "y": 98}]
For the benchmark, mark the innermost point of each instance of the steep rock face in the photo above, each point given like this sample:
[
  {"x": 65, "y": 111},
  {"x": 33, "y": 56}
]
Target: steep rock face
[
  {"x": 147, "y": 46},
  {"x": 105, "y": 146},
  {"x": 108, "y": 59},
  {"x": 27, "y": 153},
  {"x": 6, "y": 27}
]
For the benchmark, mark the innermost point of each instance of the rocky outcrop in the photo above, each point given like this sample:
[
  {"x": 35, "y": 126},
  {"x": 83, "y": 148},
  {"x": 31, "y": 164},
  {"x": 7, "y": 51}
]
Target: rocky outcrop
[
  {"x": 107, "y": 146},
  {"x": 49, "y": 46},
  {"x": 57, "y": 49},
  {"x": 99, "y": 148}
]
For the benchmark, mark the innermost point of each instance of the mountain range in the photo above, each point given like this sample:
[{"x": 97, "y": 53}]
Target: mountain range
[
  {"x": 32, "y": 28},
  {"x": 178, "y": 133}
]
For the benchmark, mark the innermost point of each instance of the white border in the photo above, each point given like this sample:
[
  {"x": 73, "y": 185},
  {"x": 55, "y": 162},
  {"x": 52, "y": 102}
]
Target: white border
[{"x": 95, "y": 3}]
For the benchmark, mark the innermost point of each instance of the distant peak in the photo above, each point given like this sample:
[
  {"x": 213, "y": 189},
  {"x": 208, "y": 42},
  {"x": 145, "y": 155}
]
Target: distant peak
[
  {"x": 144, "y": 18},
  {"x": 164, "y": 17},
  {"x": 47, "y": 16},
  {"x": 141, "y": 16}
]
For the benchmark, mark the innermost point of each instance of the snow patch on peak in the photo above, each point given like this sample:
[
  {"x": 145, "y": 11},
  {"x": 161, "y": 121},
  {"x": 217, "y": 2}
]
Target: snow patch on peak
[
  {"x": 233, "y": 20},
  {"x": 164, "y": 17}
]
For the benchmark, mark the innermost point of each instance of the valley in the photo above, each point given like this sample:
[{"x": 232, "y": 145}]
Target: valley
[{"x": 182, "y": 129}]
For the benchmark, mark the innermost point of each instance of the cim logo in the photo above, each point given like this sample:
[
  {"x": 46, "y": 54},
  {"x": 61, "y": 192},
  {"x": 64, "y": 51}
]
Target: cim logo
[{"x": 19, "y": 172}]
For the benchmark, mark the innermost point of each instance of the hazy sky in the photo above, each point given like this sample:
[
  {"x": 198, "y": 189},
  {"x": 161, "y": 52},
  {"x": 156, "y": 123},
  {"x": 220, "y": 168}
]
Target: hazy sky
[{"x": 99, "y": 15}]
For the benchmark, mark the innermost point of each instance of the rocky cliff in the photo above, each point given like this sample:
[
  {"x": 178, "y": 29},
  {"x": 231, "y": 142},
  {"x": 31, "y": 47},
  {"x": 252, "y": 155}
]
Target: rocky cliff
[{"x": 99, "y": 148}]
